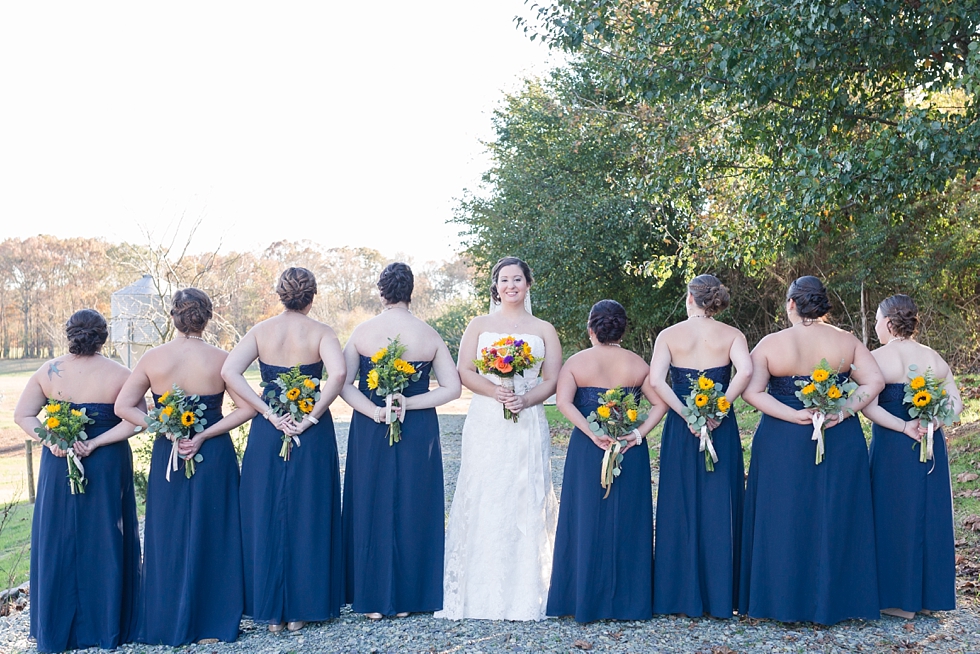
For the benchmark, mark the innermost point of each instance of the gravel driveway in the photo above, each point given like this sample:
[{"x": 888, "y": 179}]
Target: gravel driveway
[{"x": 956, "y": 631}]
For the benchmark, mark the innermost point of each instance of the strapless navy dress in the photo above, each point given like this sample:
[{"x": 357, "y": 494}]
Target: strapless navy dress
[
  {"x": 394, "y": 509},
  {"x": 602, "y": 566},
  {"x": 699, "y": 513},
  {"x": 808, "y": 533},
  {"x": 192, "y": 566},
  {"x": 291, "y": 520},
  {"x": 85, "y": 548},
  {"x": 913, "y": 511}
]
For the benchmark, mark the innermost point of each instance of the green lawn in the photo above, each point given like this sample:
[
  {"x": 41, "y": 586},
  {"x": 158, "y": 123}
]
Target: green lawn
[{"x": 15, "y": 538}]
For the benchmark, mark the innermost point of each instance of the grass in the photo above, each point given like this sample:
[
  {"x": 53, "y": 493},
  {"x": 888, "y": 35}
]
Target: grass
[{"x": 15, "y": 538}]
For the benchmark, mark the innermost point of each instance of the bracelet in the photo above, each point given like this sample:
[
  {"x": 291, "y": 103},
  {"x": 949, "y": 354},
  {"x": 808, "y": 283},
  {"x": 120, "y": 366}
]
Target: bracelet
[
  {"x": 840, "y": 416},
  {"x": 639, "y": 439},
  {"x": 268, "y": 412},
  {"x": 312, "y": 419},
  {"x": 377, "y": 414}
]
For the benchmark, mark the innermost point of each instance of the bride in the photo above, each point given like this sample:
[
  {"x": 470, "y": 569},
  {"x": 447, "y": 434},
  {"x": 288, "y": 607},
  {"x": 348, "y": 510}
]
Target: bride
[{"x": 501, "y": 528}]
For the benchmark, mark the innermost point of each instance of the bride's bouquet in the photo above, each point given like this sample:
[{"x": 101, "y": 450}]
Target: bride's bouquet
[
  {"x": 391, "y": 374},
  {"x": 506, "y": 358},
  {"x": 62, "y": 427},
  {"x": 927, "y": 400},
  {"x": 177, "y": 416},
  {"x": 291, "y": 393},
  {"x": 825, "y": 392},
  {"x": 706, "y": 401},
  {"x": 616, "y": 417}
]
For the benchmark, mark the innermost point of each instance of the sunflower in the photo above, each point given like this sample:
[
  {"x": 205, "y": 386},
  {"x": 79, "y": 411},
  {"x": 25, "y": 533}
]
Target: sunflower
[
  {"x": 309, "y": 383},
  {"x": 293, "y": 394},
  {"x": 379, "y": 355},
  {"x": 631, "y": 415},
  {"x": 53, "y": 408},
  {"x": 167, "y": 411},
  {"x": 164, "y": 397},
  {"x": 52, "y": 422},
  {"x": 700, "y": 399},
  {"x": 921, "y": 399},
  {"x": 76, "y": 413},
  {"x": 527, "y": 349},
  {"x": 809, "y": 388},
  {"x": 705, "y": 384},
  {"x": 305, "y": 405},
  {"x": 188, "y": 418},
  {"x": 603, "y": 411},
  {"x": 833, "y": 393},
  {"x": 372, "y": 379},
  {"x": 917, "y": 383},
  {"x": 404, "y": 366},
  {"x": 820, "y": 375},
  {"x": 723, "y": 404}
]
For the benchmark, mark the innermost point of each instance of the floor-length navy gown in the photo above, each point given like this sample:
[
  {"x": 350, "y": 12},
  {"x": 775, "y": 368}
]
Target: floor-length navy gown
[
  {"x": 699, "y": 513},
  {"x": 394, "y": 509},
  {"x": 85, "y": 550},
  {"x": 192, "y": 584},
  {"x": 808, "y": 532},
  {"x": 602, "y": 567},
  {"x": 913, "y": 509},
  {"x": 291, "y": 520}
]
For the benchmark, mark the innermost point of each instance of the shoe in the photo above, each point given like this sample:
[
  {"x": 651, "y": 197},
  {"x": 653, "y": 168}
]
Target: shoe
[
  {"x": 401, "y": 615},
  {"x": 276, "y": 628},
  {"x": 296, "y": 626},
  {"x": 899, "y": 613},
  {"x": 373, "y": 616}
]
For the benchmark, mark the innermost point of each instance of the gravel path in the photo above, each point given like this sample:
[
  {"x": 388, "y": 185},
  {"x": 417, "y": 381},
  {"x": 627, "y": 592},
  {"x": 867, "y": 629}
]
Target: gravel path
[{"x": 956, "y": 631}]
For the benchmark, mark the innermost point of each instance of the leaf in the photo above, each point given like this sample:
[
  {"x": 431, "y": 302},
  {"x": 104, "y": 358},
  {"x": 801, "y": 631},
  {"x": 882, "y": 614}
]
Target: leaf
[
  {"x": 198, "y": 457},
  {"x": 965, "y": 477},
  {"x": 582, "y": 644}
]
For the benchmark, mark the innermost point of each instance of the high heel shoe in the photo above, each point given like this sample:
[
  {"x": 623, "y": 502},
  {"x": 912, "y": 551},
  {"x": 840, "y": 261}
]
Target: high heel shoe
[
  {"x": 373, "y": 616},
  {"x": 296, "y": 626},
  {"x": 276, "y": 628}
]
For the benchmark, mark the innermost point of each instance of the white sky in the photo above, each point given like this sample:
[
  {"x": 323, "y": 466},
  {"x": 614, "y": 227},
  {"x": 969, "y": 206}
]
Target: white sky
[{"x": 348, "y": 123}]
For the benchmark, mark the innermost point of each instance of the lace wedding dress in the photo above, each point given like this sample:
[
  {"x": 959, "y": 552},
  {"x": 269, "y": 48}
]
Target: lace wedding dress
[{"x": 501, "y": 532}]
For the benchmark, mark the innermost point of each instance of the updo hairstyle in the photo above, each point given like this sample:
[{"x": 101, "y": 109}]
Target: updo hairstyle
[
  {"x": 191, "y": 310},
  {"x": 903, "y": 314},
  {"x": 709, "y": 294},
  {"x": 607, "y": 320},
  {"x": 396, "y": 283},
  {"x": 503, "y": 263},
  {"x": 810, "y": 296},
  {"x": 296, "y": 288},
  {"x": 87, "y": 332}
]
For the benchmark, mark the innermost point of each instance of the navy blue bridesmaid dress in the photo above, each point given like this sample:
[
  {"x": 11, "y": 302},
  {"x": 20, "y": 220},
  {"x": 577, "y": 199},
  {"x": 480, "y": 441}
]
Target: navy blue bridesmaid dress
[
  {"x": 394, "y": 509},
  {"x": 602, "y": 565},
  {"x": 808, "y": 532},
  {"x": 291, "y": 520},
  {"x": 913, "y": 509},
  {"x": 699, "y": 513},
  {"x": 192, "y": 584},
  {"x": 85, "y": 549}
]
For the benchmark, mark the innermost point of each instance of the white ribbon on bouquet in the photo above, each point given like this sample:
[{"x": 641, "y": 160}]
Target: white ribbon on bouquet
[
  {"x": 707, "y": 444},
  {"x": 818, "y": 419}
]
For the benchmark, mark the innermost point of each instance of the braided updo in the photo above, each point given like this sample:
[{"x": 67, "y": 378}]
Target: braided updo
[
  {"x": 709, "y": 294},
  {"x": 810, "y": 296},
  {"x": 191, "y": 310},
  {"x": 396, "y": 283},
  {"x": 607, "y": 320},
  {"x": 296, "y": 288},
  {"x": 503, "y": 263},
  {"x": 902, "y": 313},
  {"x": 87, "y": 332}
]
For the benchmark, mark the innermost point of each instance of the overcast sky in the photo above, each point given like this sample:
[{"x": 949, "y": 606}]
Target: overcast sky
[{"x": 348, "y": 123}]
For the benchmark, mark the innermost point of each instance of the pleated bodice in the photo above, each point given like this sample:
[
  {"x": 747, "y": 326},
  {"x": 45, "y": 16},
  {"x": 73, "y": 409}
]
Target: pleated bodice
[
  {"x": 891, "y": 399},
  {"x": 414, "y": 387},
  {"x": 269, "y": 372},
  {"x": 784, "y": 388},
  {"x": 103, "y": 414},
  {"x": 682, "y": 378},
  {"x": 587, "y": 397},
  {"x": 212, "y": 412}
]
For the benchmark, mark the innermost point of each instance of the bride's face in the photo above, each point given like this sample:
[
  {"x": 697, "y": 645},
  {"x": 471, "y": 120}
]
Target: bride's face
[{"x": 511, "y": 285}]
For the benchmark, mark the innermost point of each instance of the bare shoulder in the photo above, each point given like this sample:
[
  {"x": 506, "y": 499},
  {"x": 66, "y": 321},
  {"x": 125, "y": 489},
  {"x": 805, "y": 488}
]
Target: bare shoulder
[
  {"x": 770, "y": 341},
  {"x": 546, "y": 328},
  {"x": 325, "y": 330}
]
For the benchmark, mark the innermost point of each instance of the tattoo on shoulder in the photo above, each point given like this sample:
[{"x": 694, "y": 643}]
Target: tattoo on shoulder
[{"x": 53, "y": 369}]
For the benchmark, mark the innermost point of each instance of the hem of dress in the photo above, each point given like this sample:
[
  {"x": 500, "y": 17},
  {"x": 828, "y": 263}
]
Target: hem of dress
[{"x": 462, "y": 616}]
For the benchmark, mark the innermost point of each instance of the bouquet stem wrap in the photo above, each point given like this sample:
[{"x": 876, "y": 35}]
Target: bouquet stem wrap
[
  {"x": 508, "y": 383},
  {"x": 818, "y": 419},
  {"x": 609, "y": 469},
  {"x": 174, "y": 459},
  {"x": 708, "y": 447},
  {"x": 76, "y": 472},
  {"x": 287, "y": 442},
  {"x": 394, "y": 424}
]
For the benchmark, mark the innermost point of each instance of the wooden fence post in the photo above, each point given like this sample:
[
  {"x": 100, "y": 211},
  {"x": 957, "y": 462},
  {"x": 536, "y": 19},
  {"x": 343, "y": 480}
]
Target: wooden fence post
[{"x": 29, "y": 451}]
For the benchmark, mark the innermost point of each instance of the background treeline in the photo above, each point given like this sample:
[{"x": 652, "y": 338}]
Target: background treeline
[
  {"x": 44, "y": 279},
  {"x": 755, "y": 140}
]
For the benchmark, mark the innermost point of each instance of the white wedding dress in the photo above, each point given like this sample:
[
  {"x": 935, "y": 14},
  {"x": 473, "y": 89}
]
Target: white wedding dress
[{"x": 501, "y": 532}]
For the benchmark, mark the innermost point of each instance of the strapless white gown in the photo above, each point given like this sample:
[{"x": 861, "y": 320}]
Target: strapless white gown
[{"x": 501, "y": 533}]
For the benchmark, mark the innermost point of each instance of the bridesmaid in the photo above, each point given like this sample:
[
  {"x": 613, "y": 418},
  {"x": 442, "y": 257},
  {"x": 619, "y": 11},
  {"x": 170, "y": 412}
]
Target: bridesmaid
[
  {"x": 699, "y": 513},
  {"x": 394, "y": 500},
  {"x": 85, "y": 548},
  {"x": 808, "y": 533},
  {"x": 291, "y": 509},
  {"x": 913, "y": 502},
  {"x": 192, "y": 564},
  {"x": 604, "y": 547}
]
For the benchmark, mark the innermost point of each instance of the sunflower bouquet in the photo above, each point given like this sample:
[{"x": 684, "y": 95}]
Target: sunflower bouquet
[
  {"x": 928, "y": 401},
  {"x": 825, "y": 391},
  {"x": 291, "y": 393},
  {"x": 506, "y": 358},
  {"x": 177, "y": 415},
  {"x": 391, "y": 374},
  {"x": 616, "y": 417},
  {"x": 706, "y": 401},
  {"x": 62, "y": 427}
]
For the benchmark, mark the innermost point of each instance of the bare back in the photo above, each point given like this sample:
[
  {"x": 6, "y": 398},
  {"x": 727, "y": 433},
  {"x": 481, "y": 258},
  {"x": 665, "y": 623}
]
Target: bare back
[
  {"x": 607, "y": 367},
  {"x": 798, "y": 350},
  {"x": 290, "y": 339},
  {"x": 699, "y": 343},
  {"x": 81, "y": 379},
  {"x": 420, "y": 340},
  {"x": 191, "y": 364},
  {"x": 895, "y": 358}
]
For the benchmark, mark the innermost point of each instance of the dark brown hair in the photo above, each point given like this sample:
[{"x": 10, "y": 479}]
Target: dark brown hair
[
  {"x": 810, "y": 296},
  {"x": 296, "y": 288},
  {"x": 607, "y": 320},
  {"x": 709, "y": 294},
  {"x": 903, "y": 314},
  {"x": 396, "y": 283},
  {"x": 191, "y": 310},
  {"x": 87, "y": 332},
  {"x": 503, "y": 263}
]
